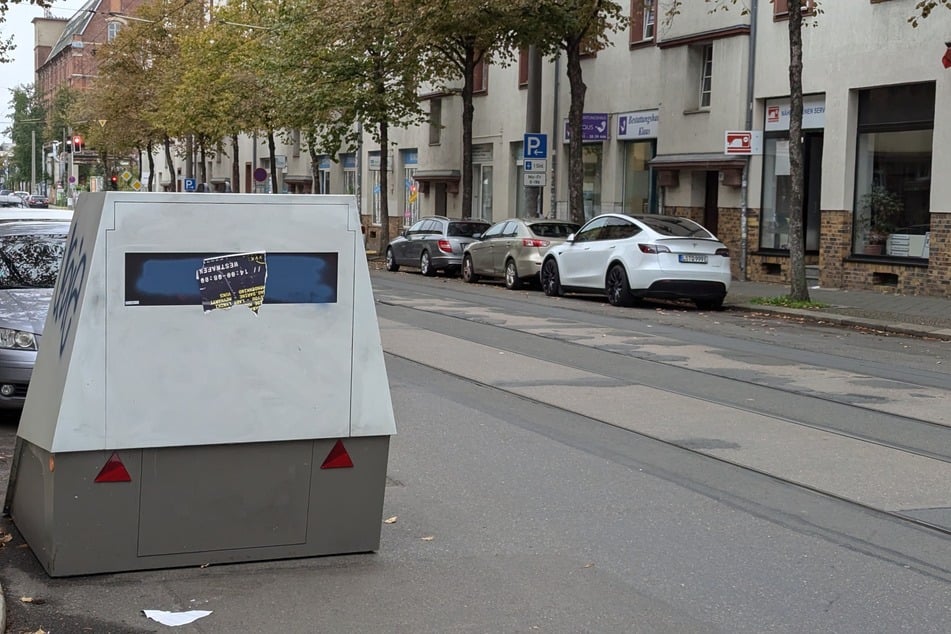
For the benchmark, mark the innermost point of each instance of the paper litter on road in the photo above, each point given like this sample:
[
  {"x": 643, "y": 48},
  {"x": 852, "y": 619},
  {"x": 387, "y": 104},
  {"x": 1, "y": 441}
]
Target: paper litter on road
[{"x": 176, "y": 618}]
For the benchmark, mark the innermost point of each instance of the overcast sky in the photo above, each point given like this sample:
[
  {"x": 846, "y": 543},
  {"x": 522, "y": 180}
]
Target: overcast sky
[{"x": 20, "y": 70}]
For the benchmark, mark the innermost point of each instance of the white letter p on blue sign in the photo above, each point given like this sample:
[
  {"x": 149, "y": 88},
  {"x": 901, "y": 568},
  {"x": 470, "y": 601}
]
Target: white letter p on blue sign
[{"x": 535, "y": 146}]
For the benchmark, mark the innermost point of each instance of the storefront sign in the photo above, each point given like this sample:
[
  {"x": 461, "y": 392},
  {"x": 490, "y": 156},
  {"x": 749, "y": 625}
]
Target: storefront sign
[
  {"x": 642, "y": 124},
  {"x": 813, "y": 114},
  {"x": 594, "y": 127},
  {"x": 482, "y": 153},
  {"x": 743, "y": 142}
]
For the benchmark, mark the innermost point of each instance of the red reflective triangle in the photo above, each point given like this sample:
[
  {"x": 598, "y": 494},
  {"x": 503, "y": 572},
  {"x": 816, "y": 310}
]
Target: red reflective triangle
[
  {"x": 338, "y": 458},
  {"x": 113, "y": 471}
]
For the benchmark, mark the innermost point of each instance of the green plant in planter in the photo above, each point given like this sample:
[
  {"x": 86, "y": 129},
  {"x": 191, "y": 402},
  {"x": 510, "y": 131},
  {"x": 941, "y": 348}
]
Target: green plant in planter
[{"x": 885, "y": 211}]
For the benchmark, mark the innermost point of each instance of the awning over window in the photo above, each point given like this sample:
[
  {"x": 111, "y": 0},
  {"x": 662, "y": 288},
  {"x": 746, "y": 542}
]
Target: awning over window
[
  {"x": 450, "y": 177},
  {"x": 705, "y": 161},
  {"x": 297, "y": 178},
  {"x": 668, "y": 167}
]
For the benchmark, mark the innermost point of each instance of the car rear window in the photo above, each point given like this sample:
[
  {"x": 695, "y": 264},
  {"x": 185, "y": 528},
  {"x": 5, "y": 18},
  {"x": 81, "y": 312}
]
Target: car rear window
[
  {"x": 675, "y": 227},
  {"x": 466, "y": 229},
  {"x": 552, "y": 229}
]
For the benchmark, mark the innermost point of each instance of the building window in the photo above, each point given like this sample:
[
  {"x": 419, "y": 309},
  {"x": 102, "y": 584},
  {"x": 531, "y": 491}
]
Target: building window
[
  {"x": 323, "y": 174},
  {"x": 522, "y": 67},
  {"x": 435, "y": 120},
  {"x": 891, "y": 214},
  {"x": 706, "y": 75},
  {"x": 643, "y": 20},
  {"x": 112, "y": 30},
  {"x": 781, "y": 8},
  {"x": 480, "y": 78}
]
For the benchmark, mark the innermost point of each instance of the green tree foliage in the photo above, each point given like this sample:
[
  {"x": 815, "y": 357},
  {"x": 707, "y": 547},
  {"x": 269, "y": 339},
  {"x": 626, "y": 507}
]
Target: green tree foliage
[
  {"x": 27, "y": 133},
  {"x": 575, "y": 28},
  {"x": 460, "y": 35},
  {"x": 352, "y": 66}
]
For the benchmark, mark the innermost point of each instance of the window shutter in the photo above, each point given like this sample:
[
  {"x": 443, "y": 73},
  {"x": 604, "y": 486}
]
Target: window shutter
[
  {"x": 523, "y": 67},
  {"x": 780, "y": 7},
  {"x": 478, "y": 78}
]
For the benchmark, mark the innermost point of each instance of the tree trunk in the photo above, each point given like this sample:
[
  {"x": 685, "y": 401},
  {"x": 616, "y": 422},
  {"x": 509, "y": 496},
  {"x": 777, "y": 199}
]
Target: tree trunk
[
  {"x": 203, "y": 169},
  {"x": 797, "y": 259},
  {"x": 151, "y": 185},
  {"x": 314, "y": 165},
  {"x": 468, "y": 108},
  {"x": 173, "y": 177},
  {"x": 271, "y": 148},
  {"x": 577, "y": 90},
  {"x": 235, "y": 165}
]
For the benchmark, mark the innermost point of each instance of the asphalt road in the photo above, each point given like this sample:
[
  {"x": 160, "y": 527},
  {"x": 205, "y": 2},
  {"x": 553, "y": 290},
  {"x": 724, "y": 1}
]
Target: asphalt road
[{"x": 566, "y": 466}]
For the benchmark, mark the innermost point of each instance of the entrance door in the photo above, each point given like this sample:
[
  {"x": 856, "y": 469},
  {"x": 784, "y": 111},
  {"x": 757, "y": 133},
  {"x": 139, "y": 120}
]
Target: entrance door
[
  {"x": 812, "y": 188},
  {"x": 440, "y": 199},
  {"x": 710, "y": 202}
]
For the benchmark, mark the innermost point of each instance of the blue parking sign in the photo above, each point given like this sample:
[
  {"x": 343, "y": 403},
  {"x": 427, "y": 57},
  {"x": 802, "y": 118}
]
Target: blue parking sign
[
  {"x": 190, "y": 185},
  {"x": 535, "y": 146}
]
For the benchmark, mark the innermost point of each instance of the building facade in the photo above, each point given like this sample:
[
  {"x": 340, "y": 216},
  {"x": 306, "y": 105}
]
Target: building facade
[{"x": 690, "y": 116}]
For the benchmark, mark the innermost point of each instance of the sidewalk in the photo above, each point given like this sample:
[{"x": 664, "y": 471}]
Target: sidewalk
[{"x": 899, "y": 314}]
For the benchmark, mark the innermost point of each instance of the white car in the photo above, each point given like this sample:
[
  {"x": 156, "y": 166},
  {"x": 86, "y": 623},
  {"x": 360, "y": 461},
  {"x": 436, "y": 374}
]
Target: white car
[{"x": 630, "y": 257}]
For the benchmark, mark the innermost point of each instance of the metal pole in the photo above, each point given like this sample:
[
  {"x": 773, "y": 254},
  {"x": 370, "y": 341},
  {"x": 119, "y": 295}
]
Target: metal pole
[
  {"x": 553, "y": 154},
  {"x": 744, "y": 192},
  {"x": 533, "y": 122},
  {"x": 33, "y": 161}
]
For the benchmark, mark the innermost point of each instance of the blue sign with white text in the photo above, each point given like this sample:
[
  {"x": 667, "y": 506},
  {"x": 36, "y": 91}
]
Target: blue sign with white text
[
  {"x": 535, "y": 146},
  {"x": 190, "y": 185}
]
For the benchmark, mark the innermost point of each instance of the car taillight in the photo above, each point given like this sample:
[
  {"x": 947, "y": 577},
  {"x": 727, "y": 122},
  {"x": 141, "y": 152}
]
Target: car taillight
[
  {"x": 534, "y": 242},
  {"x": 444, "y": 245},
  {"x": 724, "y": 252},
  {"x": 653, "y": 248}
]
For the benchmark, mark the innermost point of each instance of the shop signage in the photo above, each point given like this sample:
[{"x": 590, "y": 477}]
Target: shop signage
[
  {"x": 813, "y": 114},
  {"x": 743, "y": 142},
  {"x": 642, "y": 124},
  {"x": 534, "y": 179},
  {"x": 594, "y": 127}
]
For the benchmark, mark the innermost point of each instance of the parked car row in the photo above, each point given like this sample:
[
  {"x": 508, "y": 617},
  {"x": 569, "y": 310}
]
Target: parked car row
[
  {"x": 22, "y": 199},
  {"x": 625, "y": 257}
]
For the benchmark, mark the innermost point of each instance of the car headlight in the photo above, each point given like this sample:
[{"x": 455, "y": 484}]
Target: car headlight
[{"x": 17, "y": 339}]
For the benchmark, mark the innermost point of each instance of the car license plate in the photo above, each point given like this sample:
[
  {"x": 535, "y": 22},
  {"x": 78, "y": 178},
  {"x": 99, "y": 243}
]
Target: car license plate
[{"x": 692, "y": 258}]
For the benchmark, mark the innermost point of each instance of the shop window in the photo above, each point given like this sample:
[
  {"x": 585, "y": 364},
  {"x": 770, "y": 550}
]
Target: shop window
[
  {"x": 638, "y": 189},
  {"x": 592, "y": 158},
  {"x": 891, "y": 214}
]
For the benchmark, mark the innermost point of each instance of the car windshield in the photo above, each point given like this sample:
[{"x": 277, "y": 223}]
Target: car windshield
[
  {"x": 466, "y": 229},
  {"x": 553, "y": 229},
  {"x": 675, "y": 227},
  {"x": 30, "y": 261}
]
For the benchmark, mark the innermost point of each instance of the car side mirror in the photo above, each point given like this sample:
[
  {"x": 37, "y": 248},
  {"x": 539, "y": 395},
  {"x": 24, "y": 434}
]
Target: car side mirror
[
  {"x": 570, "y": 238},
  {"x": 477, "y": 235}
]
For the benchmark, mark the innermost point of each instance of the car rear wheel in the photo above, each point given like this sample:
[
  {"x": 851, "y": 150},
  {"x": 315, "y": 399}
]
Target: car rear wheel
[
  {"x": 468, "y": 270},
  {"x": 551, "y": 283},
  {"x": 426, "y": 265},
  {"x": 391, "y": 264},
  {"x": 618, "y": 288},
  {"x": 512, "y": 280}
]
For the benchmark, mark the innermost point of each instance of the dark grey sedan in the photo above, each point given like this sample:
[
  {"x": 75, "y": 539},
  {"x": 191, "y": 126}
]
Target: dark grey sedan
[
  {"x": 30, "y": 256},
  {"x": 434, "y": 244}
]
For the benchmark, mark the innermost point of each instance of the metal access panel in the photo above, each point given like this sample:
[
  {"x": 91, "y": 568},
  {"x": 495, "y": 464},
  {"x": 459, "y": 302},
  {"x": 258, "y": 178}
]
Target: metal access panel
[{"x": 210, "y": 387}]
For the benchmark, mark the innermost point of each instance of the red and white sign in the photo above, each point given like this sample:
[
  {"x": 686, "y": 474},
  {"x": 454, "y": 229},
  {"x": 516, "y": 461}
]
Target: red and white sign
[
  {"x": 772, "y": 114},
  {"x": 743, "y": 142}
]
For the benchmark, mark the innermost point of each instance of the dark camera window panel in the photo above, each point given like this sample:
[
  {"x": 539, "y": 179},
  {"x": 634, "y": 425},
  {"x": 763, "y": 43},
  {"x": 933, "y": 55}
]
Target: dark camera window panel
[{"x": 168, "y": 279}]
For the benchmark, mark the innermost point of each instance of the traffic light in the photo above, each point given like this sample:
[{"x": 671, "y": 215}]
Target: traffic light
[
  {"x": 77, "y": 143},
  {"x": 114, "y": 181}
]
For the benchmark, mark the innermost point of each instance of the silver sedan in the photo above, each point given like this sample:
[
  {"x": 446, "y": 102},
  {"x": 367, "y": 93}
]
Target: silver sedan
[{"x": 513, "y": 250}]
